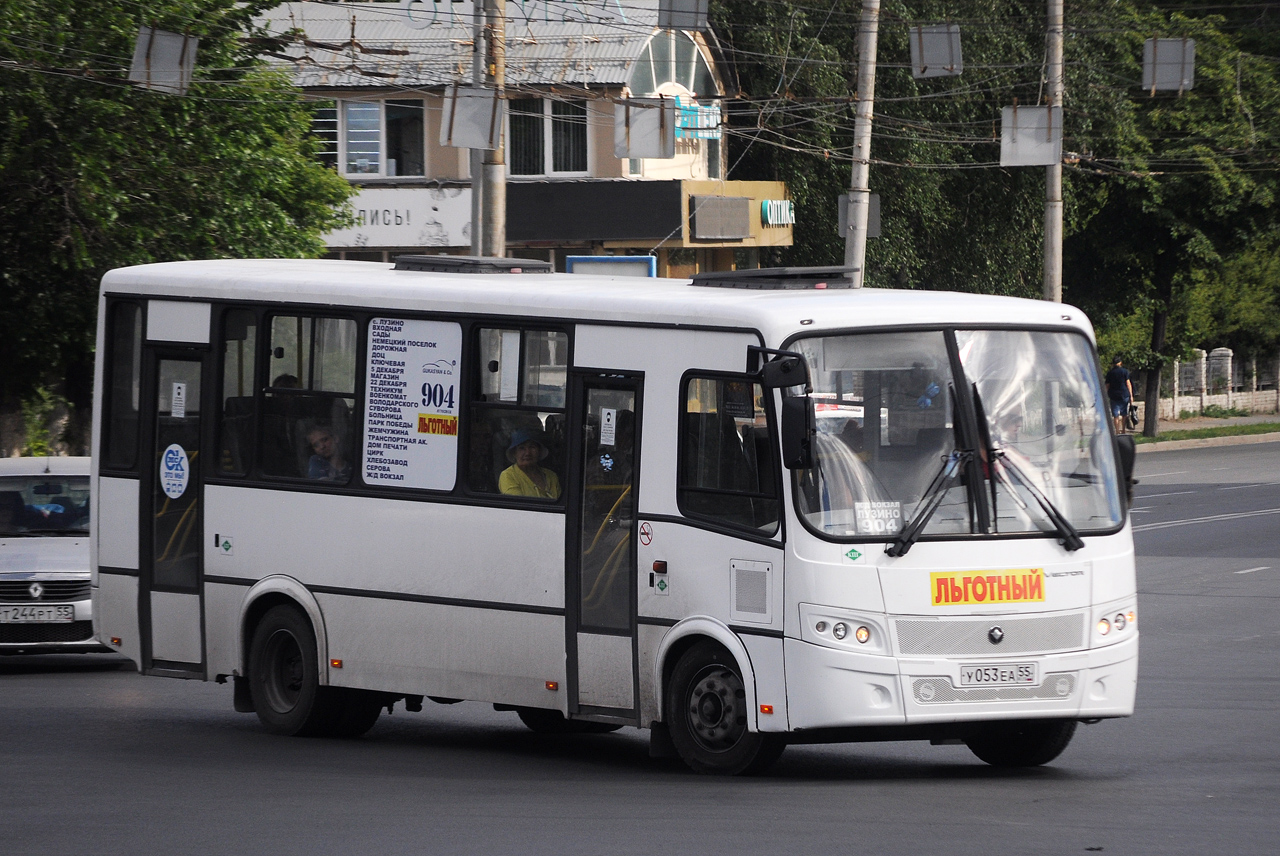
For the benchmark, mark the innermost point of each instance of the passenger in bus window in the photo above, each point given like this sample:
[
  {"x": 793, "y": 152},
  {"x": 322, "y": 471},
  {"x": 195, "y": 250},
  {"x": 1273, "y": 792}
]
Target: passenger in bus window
[
  {"x": 327, "y": 464},
  {"x": 525, "y": 477}
]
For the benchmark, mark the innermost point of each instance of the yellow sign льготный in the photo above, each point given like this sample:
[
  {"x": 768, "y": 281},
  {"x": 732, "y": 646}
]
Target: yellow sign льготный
[
  {"x": 432, "y": 423},
  {"x": 1022, "y": 585}
]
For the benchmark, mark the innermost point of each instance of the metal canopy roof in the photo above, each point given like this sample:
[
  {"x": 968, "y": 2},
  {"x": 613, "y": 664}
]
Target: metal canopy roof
[{"x": 376, "y": 45}]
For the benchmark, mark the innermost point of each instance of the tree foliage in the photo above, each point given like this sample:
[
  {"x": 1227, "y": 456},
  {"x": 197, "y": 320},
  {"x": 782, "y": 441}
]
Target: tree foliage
[
  {"x": 96, "y": 173},
  {"x": 1169, "y": 199}
]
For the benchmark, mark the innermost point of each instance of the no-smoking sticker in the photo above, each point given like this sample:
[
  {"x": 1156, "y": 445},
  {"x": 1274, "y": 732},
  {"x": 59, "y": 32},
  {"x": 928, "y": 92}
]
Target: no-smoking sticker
[{"x": 646, "y": 534}]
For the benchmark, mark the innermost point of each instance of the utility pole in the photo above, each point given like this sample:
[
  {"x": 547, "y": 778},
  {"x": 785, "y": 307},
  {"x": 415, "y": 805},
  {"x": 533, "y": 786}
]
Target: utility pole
[
  {"x": 855, "y": 240},
  {"x": 494, "y": 168},
  {"x": 1053, "y": 173},
  {"x": 477, "y": 155}
]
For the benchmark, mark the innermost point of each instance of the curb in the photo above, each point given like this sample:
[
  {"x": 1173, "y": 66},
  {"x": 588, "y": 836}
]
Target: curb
[{"x": 1207, "y": 442}]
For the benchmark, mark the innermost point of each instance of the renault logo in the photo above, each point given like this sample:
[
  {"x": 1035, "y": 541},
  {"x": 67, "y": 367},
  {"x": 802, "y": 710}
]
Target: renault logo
[
  {"x": 996, "y": 635},
  {"x": 35, "y": 590}
]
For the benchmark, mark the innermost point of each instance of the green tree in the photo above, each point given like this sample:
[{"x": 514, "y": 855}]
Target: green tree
[
  {"x": 1159, "y": 190},
  {"x": 96, "y": 173},
  {"x": 1199, "y": 188}
]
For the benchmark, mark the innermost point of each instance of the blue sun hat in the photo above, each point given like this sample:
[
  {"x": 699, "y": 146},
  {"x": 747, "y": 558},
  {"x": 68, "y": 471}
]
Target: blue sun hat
[{"x": 524, "y": 435}]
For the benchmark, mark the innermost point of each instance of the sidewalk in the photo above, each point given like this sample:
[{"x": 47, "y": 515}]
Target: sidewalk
[{"x": 1208, "y": 422}]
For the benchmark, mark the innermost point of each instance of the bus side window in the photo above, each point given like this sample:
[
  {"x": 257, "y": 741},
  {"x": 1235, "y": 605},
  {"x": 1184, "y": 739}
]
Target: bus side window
[
  {"x": 123, "y": 385},
  {"x": 239, "y": 349},
  {"x": 308, "y": 405},
  {"x": 727, "y": 470},
  {"x": 521, "y": 398}
]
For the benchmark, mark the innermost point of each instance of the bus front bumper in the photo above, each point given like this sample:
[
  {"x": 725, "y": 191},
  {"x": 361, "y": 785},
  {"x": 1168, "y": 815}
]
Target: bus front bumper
[{"x": 831, "y": 688}]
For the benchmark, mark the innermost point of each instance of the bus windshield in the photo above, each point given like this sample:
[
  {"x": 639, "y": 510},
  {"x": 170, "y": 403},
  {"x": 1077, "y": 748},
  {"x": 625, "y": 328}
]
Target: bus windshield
[{"x": 964, "y": 432}]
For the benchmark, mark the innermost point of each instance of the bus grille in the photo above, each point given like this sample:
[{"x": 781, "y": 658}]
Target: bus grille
[
  {"x": 19, "y": 591},
  {"x": 961, "y": 637},
  {"x": 940, "y": 690},
  {"x": 37, "y": 634}
]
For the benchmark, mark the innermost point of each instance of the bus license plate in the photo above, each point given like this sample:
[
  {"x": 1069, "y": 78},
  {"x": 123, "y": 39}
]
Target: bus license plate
[
  {"x": 998, "y": 675},
  {"x": 42, "y": 614}
]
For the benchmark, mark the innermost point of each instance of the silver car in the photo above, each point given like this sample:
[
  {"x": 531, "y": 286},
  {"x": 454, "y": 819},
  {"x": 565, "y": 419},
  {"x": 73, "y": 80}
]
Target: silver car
[{"x": 44, "y": 556}]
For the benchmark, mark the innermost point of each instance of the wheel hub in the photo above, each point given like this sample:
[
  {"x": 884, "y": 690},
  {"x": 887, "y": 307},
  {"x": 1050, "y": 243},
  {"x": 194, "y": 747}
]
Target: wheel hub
[
  {"x": 284, "y": 657},
  {"x": 716, "y": 709}
]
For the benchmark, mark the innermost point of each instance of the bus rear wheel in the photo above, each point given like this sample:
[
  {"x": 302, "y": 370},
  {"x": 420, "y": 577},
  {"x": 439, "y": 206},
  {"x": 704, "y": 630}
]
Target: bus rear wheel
[
  {"x": 1028, "y": 743},
  {"x": 284, "y": 676},
  {"x": 706, "y": 712}
]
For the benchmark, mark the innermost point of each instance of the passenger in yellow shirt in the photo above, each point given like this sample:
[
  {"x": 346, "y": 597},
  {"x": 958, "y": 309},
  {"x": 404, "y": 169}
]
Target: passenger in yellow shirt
[{"x": 525, "y": 477}]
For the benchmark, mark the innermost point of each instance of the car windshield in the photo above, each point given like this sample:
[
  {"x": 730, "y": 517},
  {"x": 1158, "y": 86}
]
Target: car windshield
[
  {"x": 893, "y": 445},
  {"x": 44, "y": 505}
]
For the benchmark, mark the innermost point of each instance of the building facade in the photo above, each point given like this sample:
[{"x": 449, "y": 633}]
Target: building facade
[{"x": 378, "y": 74}]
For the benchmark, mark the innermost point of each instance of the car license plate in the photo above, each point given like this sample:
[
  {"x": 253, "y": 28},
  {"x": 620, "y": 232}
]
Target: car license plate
[
  {"x": 42, "y": 614},
  {"x": 998, "y": 675}
]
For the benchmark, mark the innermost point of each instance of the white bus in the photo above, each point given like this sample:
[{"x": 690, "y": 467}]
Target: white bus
[{"x": 754, "y": 509}]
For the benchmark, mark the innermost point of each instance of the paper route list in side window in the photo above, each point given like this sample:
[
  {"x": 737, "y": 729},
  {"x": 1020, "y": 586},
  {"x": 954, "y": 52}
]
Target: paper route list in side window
[{"x": 411, "y": 422}]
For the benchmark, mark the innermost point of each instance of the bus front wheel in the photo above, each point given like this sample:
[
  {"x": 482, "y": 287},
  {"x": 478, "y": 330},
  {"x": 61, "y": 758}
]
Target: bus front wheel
[
  {"x": 1028, "y": 743},
  {"x": 707, "y": 715},
  {"x": 284, "y": 675}
]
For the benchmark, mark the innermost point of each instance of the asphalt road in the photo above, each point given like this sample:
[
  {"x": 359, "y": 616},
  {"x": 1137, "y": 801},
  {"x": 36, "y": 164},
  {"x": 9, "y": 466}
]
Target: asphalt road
[{"x": 94, "y": 758}]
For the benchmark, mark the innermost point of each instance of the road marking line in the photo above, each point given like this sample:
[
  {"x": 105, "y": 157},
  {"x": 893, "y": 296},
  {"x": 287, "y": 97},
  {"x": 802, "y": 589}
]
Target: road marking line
[
  {"x": 1242, "y": 486},
  {"x": 1157, "y": 495},
  {"x": 1145, "y": 527},
  {"x": 1251, "y": 570},
  {"x": 1157, "y": 475}
]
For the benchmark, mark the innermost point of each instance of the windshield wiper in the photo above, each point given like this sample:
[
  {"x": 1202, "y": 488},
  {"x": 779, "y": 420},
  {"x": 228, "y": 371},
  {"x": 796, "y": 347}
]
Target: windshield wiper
[
  {"x": 1071, "y": 540},
  {"x": 952, "y": 465}
]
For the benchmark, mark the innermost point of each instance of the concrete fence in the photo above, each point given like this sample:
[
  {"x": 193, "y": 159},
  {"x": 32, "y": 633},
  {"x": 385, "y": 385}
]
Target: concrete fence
[{"x": 1218, "y": 378}]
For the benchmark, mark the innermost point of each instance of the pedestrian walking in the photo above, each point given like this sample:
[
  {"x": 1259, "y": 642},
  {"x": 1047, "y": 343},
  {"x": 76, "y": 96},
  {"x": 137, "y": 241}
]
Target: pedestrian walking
[{"x": 1119, "y": 393}]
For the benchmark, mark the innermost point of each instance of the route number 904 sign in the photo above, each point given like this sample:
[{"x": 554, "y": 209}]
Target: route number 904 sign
[{"x": 411, "y": 423}]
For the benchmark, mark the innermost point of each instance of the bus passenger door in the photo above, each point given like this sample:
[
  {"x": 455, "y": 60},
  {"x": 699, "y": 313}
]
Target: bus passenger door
[
  {"x": 601, "y": 549},
  {"x": 170, "y": 515}
]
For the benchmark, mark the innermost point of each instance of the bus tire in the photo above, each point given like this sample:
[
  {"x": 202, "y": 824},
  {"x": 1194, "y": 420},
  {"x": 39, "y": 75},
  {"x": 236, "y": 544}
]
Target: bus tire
[
  {"x": 544, "y": 721},
  {"x": 707, "y": 715},
  {"x": 284, "y": 676},
  {"x": 1027, "y": 743},
  {"x": 355, "y": 711}
]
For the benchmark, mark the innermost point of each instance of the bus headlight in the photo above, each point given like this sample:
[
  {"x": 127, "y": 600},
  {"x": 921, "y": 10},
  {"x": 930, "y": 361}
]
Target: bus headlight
[
  {"x": 1104, "y": 626},
  {"x": 840, "y": 631},
  {"x": 862, "y": 634},
  {"x": 1119, "y": 621}
]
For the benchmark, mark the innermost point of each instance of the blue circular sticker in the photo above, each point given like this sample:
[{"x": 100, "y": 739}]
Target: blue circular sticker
[{"x": 174, "y": 471}]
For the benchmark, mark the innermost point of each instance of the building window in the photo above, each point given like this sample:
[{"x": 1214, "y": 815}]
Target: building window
[
  {"x": 547, "y": 137},
  {"x": 672, "y": 57},
  {"x": 363, "y": 137},
  {"x": 372, "y": 138},
  {"x": 324, "y": 124},
  {"x": 526, "y": 156},
  {"x": 404, "y": 138},
  {"x": 568, "y": 136}
]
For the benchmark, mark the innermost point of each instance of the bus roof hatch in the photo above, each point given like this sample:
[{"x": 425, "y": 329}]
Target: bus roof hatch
[
  {"x": 780, "y": 279},
  {"x": 470, "y": 264}
]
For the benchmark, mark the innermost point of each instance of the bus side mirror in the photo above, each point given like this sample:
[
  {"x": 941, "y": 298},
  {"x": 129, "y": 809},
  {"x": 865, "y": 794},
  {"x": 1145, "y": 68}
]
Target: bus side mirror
[
  {"x": 783, "y": 372},
  {"x": 797, "y": 432},
  {"x": 1126, "y": 457}
]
